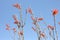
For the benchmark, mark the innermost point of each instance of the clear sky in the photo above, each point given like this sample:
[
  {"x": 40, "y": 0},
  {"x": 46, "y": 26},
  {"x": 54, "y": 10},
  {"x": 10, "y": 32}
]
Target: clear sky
[{"x": 41, "y": 8}]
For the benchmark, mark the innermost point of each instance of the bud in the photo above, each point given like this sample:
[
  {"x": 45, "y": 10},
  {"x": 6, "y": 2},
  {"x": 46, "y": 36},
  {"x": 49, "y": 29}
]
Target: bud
[{"x": 55, "y": 11}]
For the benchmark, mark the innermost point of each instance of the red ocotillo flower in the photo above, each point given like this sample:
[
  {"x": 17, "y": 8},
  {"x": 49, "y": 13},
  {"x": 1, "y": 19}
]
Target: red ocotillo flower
[
  {"x": 14, "y": 17},
  {"x": 20, "y": 32},
  {"x": 7, "y": 27},
  {"x": 29, "y": 10},
  {"x": 17, "y": 6},
  {"x": 34, "y": 19},
  {"x": 16, "y": 22},
  {"x": 33, "y": 28},
  {"x": 50, "y": 27},
  {"x": 14, "y": 29},
  {"x": 42, "y": 34},
  {"x": 55, "y": 11},
  {"x": 39, "y": 19}
]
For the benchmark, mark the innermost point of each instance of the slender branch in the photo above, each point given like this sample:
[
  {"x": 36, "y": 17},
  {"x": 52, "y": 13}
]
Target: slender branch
[{"x": 55, "y": 28}]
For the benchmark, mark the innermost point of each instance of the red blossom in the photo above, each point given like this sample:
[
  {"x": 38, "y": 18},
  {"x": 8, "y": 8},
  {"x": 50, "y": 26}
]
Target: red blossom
[
  {"x": 55, "y": 11},
  {"x": 42, "y": 34},
  {"x": 17, "y": 6},
  {"x": 16, "y": 22},
  {"x": 7, "y": 27},
  {"x": 20, "y": 33},
  {"x": 34, "y": 19},
  {"x": 29, "y": 10},
  {"x": 14, "y": 17},
  {"x": 50, "y": 27},
  {"x": 39, "y": 19},
  {"x": 14, "y": 29}
]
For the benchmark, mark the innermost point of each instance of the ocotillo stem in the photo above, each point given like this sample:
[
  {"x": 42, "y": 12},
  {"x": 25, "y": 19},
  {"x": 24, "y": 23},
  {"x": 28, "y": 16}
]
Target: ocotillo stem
[
  {"x": 55, "y": 27},
  {"x": 38, "y": 38}
]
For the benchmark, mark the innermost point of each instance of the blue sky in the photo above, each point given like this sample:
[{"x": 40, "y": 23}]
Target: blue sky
[{"x": 41, "y": 8}]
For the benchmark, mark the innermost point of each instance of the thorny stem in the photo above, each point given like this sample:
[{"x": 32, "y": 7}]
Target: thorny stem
[
  {"x": 53, "y": 35},
  {"x": 20, "y": 15},
  {"x": 49, "y": 30},
  {"x": 23, "y": 34},
  {"x": 55, "y": 28},
  {"x": 45, "y": 35},
  {"x": 22, "y": 24},
  {"x": 38, "y": 29},
  {"x": 38, "y": 38}
]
